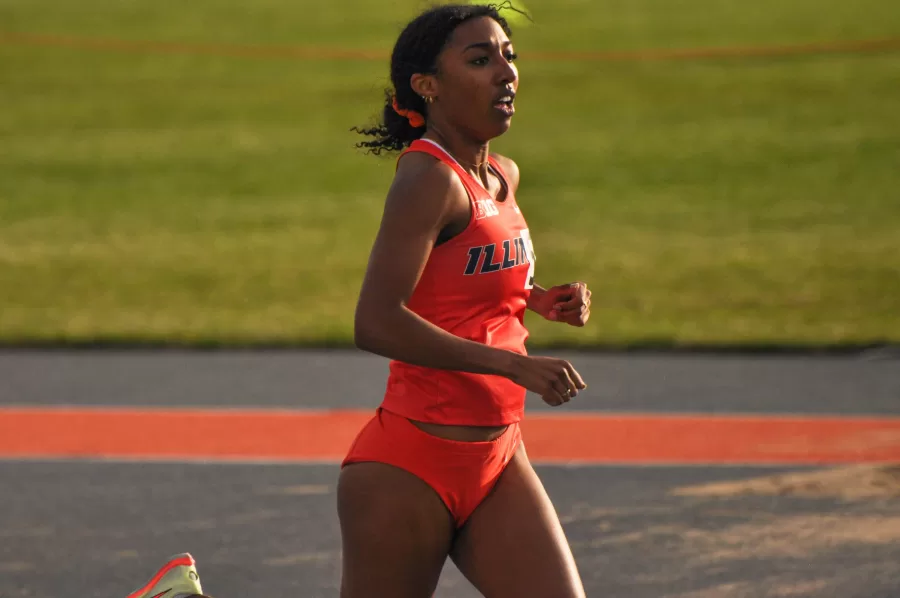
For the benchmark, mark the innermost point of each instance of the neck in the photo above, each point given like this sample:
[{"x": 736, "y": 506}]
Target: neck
[{"x": 472, "y": 155}]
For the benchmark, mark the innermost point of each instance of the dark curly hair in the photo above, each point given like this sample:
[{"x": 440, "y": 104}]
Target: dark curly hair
[{"x": 416, "y": 51}]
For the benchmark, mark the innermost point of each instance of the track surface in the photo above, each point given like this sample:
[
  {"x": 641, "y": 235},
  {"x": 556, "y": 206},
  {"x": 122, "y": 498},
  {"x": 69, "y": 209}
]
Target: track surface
[{"x": 96, "y": 520}]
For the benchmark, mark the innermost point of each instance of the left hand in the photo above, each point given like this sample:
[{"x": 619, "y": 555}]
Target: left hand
[{"x": 569, "y": 303}]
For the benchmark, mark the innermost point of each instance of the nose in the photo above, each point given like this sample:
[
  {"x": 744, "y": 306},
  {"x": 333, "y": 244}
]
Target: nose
[{"x": 507, "y": 72}]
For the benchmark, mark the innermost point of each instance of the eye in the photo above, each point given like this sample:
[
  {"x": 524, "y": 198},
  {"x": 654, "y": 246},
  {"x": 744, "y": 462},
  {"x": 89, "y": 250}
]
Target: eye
[
  {"x": 481, "y": 61},
  {"x": 512, "y": 56}
]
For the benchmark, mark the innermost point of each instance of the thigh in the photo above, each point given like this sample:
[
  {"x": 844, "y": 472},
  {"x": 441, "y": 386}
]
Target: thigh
[
  {"x": 513, "y": 545},
  {"x": 395, "y": 531}
]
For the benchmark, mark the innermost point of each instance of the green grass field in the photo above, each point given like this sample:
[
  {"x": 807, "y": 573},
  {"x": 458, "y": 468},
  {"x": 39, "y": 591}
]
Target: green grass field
[{"x": 202, "y": 198}]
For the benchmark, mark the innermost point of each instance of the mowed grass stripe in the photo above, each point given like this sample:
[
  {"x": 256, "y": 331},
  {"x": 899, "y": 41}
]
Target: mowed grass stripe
[
  {"x": 173, "y": 198},
  {"x": 334, "y": 53}
]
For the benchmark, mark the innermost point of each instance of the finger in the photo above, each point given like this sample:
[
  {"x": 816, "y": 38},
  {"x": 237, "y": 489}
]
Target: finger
[
  {"x": 561, "y": 389},
  {"x": 572, "y": 301},
  {"x": 585, "y": 318},
  {"x": 562, "y": 292},
  {"x": 575, "y": 376},
  {"x": 575, "y": 315},
  {"x": 574, "y": 310},
  {"x": 563, "y": 302},
  {"x": 571, "y": 387},
  {"x": 568, "y": 309},
  {"x": 575, "y": 318},
  {"x": 552, "y": 399}
]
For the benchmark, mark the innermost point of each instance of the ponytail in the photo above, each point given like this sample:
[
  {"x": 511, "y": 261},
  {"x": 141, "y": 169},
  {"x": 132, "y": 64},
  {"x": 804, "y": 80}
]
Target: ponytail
[{"x": 398, "y": 128}]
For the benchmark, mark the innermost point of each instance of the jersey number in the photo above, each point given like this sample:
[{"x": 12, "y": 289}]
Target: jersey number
[{"x": 529, "y": 248}]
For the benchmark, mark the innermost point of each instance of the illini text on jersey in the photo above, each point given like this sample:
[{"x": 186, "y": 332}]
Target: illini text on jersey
[{"x": 515, "y": 252}]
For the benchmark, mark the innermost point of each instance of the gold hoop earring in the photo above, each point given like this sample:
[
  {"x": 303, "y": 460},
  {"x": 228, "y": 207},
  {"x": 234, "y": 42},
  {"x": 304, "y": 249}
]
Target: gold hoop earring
[{"x": 428, "y": 99}]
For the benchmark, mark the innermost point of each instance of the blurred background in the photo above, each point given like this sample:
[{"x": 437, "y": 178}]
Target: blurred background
[
  {"x": 720, "y": 172},
  {"x": 723, "y": 174}
]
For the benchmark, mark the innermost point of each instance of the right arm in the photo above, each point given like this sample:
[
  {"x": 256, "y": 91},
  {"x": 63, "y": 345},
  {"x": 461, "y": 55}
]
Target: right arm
[{"x": 423, "y": 199}]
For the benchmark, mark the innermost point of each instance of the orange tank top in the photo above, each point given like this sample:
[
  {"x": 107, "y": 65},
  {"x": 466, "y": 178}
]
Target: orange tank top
[{"x": 475, "y": 286}]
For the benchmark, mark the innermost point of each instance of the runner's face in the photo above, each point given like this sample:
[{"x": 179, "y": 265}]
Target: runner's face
[{"x": 477, "y": 80}]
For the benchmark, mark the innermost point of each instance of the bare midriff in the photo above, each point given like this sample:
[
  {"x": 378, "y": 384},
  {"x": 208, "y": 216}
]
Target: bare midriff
[{"x": 461, "y": 433}]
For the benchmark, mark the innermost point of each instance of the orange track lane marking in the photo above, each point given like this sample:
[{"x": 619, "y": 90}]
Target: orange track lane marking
[{"x": 246, "y": 434}]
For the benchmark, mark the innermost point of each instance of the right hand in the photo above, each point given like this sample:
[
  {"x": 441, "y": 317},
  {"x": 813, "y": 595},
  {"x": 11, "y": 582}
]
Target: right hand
[{"x": 555, "y": 380}]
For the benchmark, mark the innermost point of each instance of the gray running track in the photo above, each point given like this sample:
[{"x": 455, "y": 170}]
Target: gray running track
[
  {"x": 98, "y": 529},
  {"x": 867, "y": 383}
]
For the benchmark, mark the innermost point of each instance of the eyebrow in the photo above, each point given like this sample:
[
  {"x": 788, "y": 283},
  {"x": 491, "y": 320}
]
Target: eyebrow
[{"x": 485, "y": 45}]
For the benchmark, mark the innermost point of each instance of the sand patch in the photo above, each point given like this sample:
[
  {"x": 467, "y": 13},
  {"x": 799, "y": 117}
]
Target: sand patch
[
  {"x": 299, "y": 559},
  {"x": 760, "y": 536},
  {"x": 16, "y": 567},
  {"x": 857, "y": 482},
  {"x": 799, "y": 537},
  {"x": 298, "y": 490},
  {"x": 725, "y": 590}
]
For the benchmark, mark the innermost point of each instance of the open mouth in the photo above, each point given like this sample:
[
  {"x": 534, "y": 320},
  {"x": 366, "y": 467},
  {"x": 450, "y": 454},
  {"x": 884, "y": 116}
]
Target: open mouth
[{"x": 504, "y": 103}]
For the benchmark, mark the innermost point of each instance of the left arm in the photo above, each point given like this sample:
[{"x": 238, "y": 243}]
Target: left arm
[{"x": 569, "y": 303}]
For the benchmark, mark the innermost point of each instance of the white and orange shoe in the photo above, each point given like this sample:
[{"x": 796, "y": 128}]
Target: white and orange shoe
[{"x": 176, "y": 579}]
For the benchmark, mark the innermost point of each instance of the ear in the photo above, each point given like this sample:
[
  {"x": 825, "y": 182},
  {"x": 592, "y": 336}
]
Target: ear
[{"x": 424, "y": 85}]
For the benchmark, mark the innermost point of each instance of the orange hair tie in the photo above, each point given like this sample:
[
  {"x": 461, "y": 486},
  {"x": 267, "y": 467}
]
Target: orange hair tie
[{"x": 415, "y": 119}]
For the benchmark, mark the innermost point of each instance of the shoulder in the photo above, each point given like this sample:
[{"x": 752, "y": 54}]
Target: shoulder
[
  {"x": 418, "y": 171},
  {"x": 425, "y": 186},
  {"x": 510, "y": 168}
]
